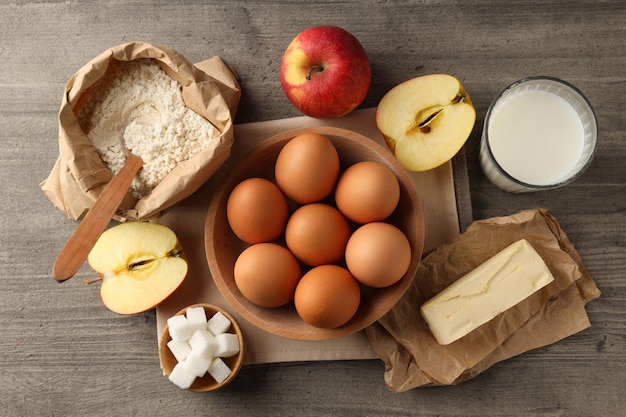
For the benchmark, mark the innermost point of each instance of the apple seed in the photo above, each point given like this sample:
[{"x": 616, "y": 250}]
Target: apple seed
[
  {"x": 423, "y": 126},
  {"x": 133, "y": 266}
]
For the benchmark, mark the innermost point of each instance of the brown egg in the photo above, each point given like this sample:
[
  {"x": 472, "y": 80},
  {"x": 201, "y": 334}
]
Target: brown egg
[
  {"x": 327, "y": 296},
  {"x": 267, "y": 274},
  {"x": 307, "y": 168},
  {"x": 367, "y": 192},
  {"x": 378, "y": 254},
  {"x": 257, "y": 211},
  {"x": 317, "y": 234}
]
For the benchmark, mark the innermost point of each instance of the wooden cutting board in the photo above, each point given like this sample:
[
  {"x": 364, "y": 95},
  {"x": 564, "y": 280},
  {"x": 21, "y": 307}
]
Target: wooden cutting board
[{"x": 445, "y": 197}]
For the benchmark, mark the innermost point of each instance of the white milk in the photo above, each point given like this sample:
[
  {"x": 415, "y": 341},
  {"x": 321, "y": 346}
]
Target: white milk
[{"x": 536, "y": 136}]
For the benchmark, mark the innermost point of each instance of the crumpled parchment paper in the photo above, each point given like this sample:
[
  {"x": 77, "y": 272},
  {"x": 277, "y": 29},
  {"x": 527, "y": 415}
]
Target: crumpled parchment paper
[{"x": 412, "y": 356}]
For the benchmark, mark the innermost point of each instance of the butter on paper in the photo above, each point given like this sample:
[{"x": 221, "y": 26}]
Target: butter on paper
[
  {"x": 78, "y": 177},
  {"x": 499, "y": 283},
  {"x": 412, "y": 355}
]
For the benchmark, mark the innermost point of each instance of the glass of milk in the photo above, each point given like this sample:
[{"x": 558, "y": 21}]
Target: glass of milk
[{"x": 539, "y": 133}]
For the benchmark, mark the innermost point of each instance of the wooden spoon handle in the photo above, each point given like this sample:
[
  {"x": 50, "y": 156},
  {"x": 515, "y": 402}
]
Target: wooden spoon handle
[{"x": 77, "y": 248}]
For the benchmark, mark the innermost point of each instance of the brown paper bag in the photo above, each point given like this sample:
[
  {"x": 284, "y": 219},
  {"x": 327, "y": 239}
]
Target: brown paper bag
[
  {"x": 411, "y": 354},
  {"x": 209, "y": 88}
]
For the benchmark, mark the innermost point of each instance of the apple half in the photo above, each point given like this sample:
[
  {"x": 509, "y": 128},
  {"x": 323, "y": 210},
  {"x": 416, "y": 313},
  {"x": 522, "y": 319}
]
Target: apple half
[
  {"x": 140, "y": 265},
  {"x": 426, "y": 120}
]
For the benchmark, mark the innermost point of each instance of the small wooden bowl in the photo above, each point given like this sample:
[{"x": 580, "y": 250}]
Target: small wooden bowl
[
  {"x": 206, "y": 383},
  {"x": 223, "y": 247}
]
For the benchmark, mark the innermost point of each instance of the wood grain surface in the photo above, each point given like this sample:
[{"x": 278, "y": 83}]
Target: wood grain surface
[{"x": 62, "y": 353}]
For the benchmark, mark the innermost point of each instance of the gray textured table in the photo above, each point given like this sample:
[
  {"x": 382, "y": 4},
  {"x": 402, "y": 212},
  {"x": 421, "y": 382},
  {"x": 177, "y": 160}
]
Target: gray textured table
[{"x": 63, "y": 354}]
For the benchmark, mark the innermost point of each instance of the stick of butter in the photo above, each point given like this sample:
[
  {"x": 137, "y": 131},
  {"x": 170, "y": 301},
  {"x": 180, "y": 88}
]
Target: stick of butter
[{"x": 496, "y": 285}]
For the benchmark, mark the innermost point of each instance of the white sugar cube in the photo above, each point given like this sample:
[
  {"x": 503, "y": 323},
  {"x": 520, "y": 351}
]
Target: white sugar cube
[
  {"x": 227, "y": 345},
  {"x": 219, "y": 323},
  {"x": 204, "y": 343},
  {"x": 197, "y": 364},
  {"x": 197, "y": 317},
  {"x": 181, "y": 377},
  {"x": 179, "y": 348},
  {"x": 179, "y": 327},
  {"x": 219, "y": 370}
]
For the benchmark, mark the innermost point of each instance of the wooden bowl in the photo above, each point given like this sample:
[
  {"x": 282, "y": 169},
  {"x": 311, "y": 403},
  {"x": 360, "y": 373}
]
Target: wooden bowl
[
  {"x": 206, "y": 383},
  {"x": 223, "y": 247}
]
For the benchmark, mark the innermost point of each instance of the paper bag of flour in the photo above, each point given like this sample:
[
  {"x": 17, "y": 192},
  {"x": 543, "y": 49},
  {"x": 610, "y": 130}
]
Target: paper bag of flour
[{"x": 176, "y": 115}]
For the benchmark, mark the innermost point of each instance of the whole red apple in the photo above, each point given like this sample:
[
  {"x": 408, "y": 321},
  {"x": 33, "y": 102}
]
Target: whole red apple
[{"x": 325, "y": 72}]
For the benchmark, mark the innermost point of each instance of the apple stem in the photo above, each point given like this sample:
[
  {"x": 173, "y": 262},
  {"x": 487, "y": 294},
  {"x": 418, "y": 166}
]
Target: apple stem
[
  {"x": 91, "y": 281},
  {"x": 312, "y": 70}
]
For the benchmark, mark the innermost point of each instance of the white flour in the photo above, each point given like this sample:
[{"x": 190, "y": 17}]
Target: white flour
[{"x": 136, "y": 105}]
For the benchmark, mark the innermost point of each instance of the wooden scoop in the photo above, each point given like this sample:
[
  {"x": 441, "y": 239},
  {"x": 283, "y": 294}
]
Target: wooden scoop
[{"x": 81, "y": 242}]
